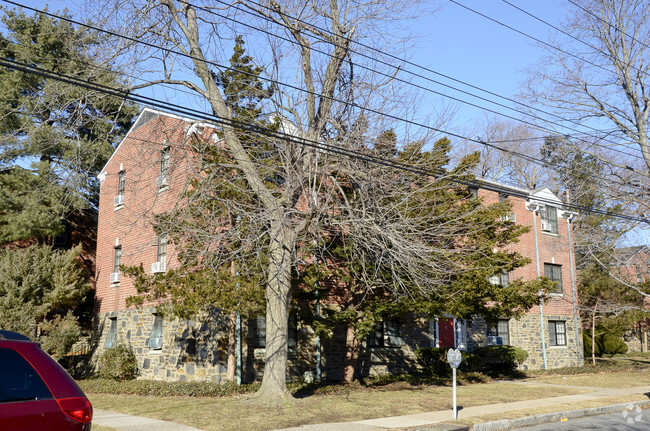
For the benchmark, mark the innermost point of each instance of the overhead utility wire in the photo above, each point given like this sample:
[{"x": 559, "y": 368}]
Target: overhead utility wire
[
  {"x": 537, "y": 40},
  {"x": 556, "y": 28},
  {"x": 427, "y": 78},
  {"x": 515, "y": 153},
  {"x": 595, "y": 48},
  {"x": 607, "y": 23},
  {"x": 390, "y": 116},
  {"x": 276, "y": 82},
  {"x": 528, "y": 35},
  {"x": 12, "y": 64}
]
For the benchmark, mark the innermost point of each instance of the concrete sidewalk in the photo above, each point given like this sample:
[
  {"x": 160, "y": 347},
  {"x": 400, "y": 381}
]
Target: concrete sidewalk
[
  {"x": 427, "y": 421},
  {"x": 124, "y": 422},
  {"x": 430, "y": 421}
]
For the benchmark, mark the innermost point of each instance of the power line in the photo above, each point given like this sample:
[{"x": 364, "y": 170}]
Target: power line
[
  {"x": 280, "y": 135},
  {"x": 425, "y": 78},
  {"x": 607, "y": 23},
  {"x": 279, "y": 83},
  {"x": 481, "y": 142},
  {"x": 390, "y": 116}
]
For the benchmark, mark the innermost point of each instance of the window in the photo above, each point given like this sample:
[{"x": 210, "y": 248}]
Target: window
[
  {"x": 292, "y": 341},
  {"x": 498, "y": 334},
  {"x": 62, "y": 240},
  {"x": 163, "y": 179},
  {"x": 257, "y": 332},
  {"x": 155, "y": 339},
  {"x": 510, "y": 216},
  {"x": 549, "y": 220},
  {"x": 386, "y": 334},
  {"x": 20, "y": 381},
  {"x": 112, "y": 334},
  {"x": 473, "y": 192},
  {"x": 557, "y": 333},
  {"x": 117, "y": 261},
  {"x": 161, "y": 255},
  {"x": 554, "y": 273},
  {"x": 121, "y": 184},
  {"x": 503, "y": 279},
  {"x": 257, "y": 329}
]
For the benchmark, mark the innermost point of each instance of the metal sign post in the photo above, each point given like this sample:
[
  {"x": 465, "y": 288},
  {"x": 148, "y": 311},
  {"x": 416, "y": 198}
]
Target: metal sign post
[{"x": 454, "y": 357}]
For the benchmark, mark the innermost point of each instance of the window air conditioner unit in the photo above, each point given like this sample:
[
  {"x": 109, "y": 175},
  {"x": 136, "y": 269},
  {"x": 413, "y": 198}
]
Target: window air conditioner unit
[
  {"x": 162, "y": 180},
  {"x": 118, "y": 200},
  {"x": 157, "y": 267},
  {"x": 546, "y": 226},
  {"x": 115, "y": 277},
  {"x": 495, "y": 340}
]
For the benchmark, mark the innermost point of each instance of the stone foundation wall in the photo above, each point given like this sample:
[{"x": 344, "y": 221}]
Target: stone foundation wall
[
  {"x": 525, "y": 333},
  {"x": 196, "y": 351},
  {"x": 190, "y": 350}
]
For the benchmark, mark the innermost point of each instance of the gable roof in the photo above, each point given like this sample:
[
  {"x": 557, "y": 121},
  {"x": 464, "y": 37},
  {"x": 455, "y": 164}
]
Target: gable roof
[
  {"x": 626, "y": 254},
  {"x": 147, "y": 115}
]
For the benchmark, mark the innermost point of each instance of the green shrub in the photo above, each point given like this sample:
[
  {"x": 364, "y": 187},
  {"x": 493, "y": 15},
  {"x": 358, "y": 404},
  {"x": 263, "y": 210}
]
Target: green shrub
[
  {"x": 606, "y": 344},
  {"x": 613, "y": 345},
  {"x": 118, "y": 363},
  {"x": 433, "y": 361},
  {"x": 499, "y": 360}
]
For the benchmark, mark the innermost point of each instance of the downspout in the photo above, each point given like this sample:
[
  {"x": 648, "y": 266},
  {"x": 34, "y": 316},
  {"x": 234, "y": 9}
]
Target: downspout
[
  {"x": 238, "y": 358},
  {"x": 541, "y": 311},
  {"x": 573, "y": 292},
  {"x": 319, "y": 369}
]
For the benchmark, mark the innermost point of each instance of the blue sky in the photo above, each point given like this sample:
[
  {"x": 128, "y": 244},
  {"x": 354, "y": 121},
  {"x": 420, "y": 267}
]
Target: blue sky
[
  {"x": 471, "y": 48},
  {"x": 457, "y": 42}
]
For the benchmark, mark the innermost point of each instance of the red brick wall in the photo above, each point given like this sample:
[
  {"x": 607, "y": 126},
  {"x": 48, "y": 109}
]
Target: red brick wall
[
  {"x": 554, "y": 249},
  {"x": 130, "y": 225}
]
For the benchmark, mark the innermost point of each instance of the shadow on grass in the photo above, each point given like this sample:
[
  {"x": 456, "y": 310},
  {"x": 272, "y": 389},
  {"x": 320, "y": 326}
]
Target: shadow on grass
[{"x": 399, "y": 382}]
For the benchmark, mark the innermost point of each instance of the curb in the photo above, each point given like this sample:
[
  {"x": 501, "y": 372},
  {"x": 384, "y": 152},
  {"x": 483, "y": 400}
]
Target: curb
[{"x": 507, "y": 424}]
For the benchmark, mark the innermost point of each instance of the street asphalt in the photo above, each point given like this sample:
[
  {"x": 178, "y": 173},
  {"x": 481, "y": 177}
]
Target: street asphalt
[{"x": 430, "y": 421}]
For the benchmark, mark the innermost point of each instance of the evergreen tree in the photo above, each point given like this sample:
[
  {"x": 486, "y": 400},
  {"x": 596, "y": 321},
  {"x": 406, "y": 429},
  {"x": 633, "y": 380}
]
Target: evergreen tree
[
  {"x": 427, "y": 232},
  {"x": 54, "y": 136},
  {"x": 39, "y": 287}
]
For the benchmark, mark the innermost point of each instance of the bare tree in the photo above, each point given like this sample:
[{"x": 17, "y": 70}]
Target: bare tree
[
  {"x": 281, "y": 183},
  {"x": 509, "y": 153},
  {"x": 601, "y": 71}
]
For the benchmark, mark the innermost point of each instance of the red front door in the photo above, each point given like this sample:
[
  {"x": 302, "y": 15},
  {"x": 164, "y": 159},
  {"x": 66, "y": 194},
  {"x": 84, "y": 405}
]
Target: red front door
[{"x": 446, "y": 332}]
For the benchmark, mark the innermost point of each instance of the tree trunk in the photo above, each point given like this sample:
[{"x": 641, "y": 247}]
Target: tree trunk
[
  {"x": 273, "y": 391},
  {"x": 232, "y": 341},
  {"x": 352, "y": 348}
]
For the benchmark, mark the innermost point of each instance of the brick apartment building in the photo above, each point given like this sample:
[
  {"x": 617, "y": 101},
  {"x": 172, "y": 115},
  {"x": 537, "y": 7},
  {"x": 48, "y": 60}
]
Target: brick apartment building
[{"x": 146, "y": 174}]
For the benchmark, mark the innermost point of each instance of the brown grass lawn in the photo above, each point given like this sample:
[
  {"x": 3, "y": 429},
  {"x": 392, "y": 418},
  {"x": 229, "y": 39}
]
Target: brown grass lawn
[
  {"x": 358, "y": 402},
  {"x": 234, "y": 413}
]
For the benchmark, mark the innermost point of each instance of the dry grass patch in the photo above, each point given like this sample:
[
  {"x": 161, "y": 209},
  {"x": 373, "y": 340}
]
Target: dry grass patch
[
  {"x": 614, "y": 379},
  {"x": 230, "y": 413}
]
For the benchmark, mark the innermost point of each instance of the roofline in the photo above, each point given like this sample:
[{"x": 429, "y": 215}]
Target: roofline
[{"x": 102, "y": 174}]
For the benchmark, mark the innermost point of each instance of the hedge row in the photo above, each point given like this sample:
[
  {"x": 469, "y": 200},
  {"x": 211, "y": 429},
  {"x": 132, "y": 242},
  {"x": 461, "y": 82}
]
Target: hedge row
[{"x": 165, "y": 389}]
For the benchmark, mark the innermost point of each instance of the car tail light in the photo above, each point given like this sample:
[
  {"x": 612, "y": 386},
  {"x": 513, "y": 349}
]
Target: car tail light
[{"x": 78, "y": 408}]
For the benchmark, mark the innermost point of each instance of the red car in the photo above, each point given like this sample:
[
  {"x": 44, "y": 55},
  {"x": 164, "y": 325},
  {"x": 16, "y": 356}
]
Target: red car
[{"x": 36, "y": 393}]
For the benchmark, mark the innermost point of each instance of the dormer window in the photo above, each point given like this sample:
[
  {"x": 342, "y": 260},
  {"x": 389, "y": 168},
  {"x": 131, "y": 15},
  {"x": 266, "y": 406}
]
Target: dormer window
[{"x": 549, "y": 220}]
